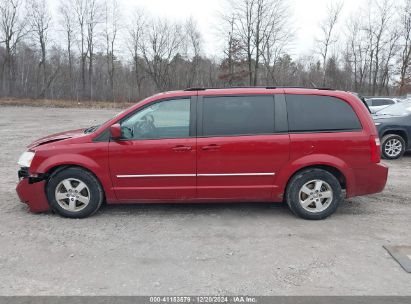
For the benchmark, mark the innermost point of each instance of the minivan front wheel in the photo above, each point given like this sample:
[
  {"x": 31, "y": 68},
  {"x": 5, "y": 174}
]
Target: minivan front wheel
[
  {"x": 313, "y": 194},
  {"x": 392, "y": 146},
  {"x": 74, "y": 193}
]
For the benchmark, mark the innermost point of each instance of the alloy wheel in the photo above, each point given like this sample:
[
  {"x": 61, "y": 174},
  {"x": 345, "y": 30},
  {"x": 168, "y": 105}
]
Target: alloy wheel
[
  {"x": 315, "y": 196},
  {"x": 72, "y": 194},
  {"x": 393, "y": 147}
]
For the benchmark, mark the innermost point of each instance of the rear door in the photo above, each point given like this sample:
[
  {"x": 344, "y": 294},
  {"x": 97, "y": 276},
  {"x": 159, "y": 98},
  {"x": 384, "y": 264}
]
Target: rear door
[{"x": 242, "y": 143}]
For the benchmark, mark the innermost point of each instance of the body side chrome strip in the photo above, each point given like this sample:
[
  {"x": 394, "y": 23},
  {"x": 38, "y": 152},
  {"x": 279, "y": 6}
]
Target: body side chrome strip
[
  {"x": 194, "y": 175},
  {"x": 235, "y": 174},
  {"x": 156, "y": 175}
]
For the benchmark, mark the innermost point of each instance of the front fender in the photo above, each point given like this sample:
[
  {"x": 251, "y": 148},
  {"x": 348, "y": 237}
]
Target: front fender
[
  {"x": 100, "y": 170},
  {"x": 68, "y": 159}
]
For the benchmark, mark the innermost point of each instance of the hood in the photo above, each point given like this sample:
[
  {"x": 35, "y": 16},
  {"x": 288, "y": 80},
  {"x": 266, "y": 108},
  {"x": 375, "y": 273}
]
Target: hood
[
  {"x": 57, "y": 137},
  {"x": 386, "y": 117}
]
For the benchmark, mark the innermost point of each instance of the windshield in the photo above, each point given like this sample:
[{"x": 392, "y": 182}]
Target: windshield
[
  {"x": 94, "y": 128},
  {"x": 398, "y": 109}
]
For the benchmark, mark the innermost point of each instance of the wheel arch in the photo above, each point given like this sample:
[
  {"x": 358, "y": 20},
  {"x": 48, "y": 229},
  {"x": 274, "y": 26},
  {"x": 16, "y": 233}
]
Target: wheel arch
[
  {"x": 61, "y": 167},
  {"x": 338, "y": 174},
  {"x": 399, "y": 132},
  {"x": 329, "y": 163},
  {"x": 58, "y": 168},
  {"x": 100, "y": 170}
]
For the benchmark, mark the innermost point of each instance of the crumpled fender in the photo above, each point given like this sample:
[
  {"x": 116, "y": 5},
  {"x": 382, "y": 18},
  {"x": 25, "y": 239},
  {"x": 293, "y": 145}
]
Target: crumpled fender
[{"x": 102, "y": 173}]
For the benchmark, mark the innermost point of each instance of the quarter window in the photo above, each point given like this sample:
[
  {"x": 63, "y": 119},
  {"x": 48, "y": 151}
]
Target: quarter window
[
  {"x": 238, "y": 115},
  {"x": 165, "y": 119},
  {"x": 320, "y": 113}
]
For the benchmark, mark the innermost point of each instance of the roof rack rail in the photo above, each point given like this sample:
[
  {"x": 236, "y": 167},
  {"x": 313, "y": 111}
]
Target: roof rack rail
[
  {"x": 257, "y": 87},
  {"x": 195, "y": 89},
  {"x": 324, "y": 88}
]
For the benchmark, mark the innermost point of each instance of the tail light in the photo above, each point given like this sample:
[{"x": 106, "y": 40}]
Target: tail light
[{"x": 375, "y": 146}]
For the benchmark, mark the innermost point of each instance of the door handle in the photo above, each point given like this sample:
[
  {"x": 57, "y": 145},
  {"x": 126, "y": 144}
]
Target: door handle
[
  {"x": 182, "y": 148},
  {"x": 211, "y": 147}
]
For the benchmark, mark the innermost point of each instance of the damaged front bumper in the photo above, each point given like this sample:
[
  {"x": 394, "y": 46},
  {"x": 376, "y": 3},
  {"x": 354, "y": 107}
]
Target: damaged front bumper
[{"x": 31, "y": 190}]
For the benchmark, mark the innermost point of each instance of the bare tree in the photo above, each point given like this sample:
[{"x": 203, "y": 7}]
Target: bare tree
[
  {"x": 193, "y": 38},
  {"x": 387, "y": 61},
  {"x": 275, "y": 40},
  {"x": 137, "y": 26},
  {"x": 378, "y": 28},
  {"x": 39, "y": 19},
  {"x": 244, "y": 11},
  {"x": 327, "y": 27},
  {"x": 94, "y": 16},
  {"x": 112, "y": 27},
  {"x": 357, "y": 51},
  {"x": 405, "y": 43},
  {"x": 258, "y": 26},
  {"x": 163, "y": 41},
  {"x": 68, "y": 19},
  {"x": 86, "y": 61},
  {"x": 80, "y": 9},
  {"x": 12, "y": 30},
  {"x": 231, "y": 51}
]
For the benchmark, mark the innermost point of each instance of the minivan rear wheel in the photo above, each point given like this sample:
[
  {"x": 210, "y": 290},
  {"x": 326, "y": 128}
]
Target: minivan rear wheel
[
  {"x": 74, "y": 193},
  {"x": 313, "y": 194},
  {"x": 392, "y": 146}
]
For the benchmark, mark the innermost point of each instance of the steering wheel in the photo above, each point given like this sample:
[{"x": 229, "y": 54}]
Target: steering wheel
[{"x": 145, "y": 127}]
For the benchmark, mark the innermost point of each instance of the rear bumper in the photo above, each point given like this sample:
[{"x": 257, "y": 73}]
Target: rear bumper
[
  {"x": 33, "y": 194},
  {"x": 368, "y": 180}
]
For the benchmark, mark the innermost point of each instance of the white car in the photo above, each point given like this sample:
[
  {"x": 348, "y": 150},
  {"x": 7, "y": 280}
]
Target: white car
[{"x": 378, "y": 103}]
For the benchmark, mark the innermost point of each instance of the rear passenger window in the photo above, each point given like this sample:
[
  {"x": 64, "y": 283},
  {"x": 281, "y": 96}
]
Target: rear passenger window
[
  {"x": 320, "y": 113},
  {"x": 238, "y": 115},
  {"x": 382, "y": 102}
]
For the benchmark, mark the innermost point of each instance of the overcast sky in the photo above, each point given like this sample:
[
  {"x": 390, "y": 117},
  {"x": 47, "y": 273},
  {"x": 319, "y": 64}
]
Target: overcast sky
[{"x": 306, "y": 16}]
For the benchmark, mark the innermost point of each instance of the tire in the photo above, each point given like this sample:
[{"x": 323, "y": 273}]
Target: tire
[
  {"x": 74, "y": 193},
  {"x": 317, "y": 205},
  {"x": 392, "y": 146}
]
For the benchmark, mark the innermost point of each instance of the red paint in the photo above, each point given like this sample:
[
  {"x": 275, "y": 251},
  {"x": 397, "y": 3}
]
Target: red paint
[
  {"x": 149, "y": 157},
  {"x": 354, "y": 154},
  {"x": 240, "y": 154},
  {"x": 115, "y": 131},
  {"x": 33, "y": 195}
]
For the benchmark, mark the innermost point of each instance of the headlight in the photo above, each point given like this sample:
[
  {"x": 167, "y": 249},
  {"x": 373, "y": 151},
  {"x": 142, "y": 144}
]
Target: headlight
[
  {"x": 377, "y": 123},
  {"x": 25, "y": 159}
]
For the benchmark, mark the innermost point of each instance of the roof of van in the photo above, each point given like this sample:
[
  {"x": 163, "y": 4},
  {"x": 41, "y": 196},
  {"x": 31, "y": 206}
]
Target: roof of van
[
  {"x": 253, "y": 90},
  {"x": 257, "y": 87}
]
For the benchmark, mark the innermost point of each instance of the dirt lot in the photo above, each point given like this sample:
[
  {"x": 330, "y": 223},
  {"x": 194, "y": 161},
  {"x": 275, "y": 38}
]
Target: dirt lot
[{"x": 254, "y": 249}]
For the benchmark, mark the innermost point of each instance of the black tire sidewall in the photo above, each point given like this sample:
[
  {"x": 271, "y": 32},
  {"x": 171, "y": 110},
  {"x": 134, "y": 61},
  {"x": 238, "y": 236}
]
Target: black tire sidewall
[
  {"x": 295, "y": 184},
  {"x": 385, "y": 139},
  {"x": 96, "y": 192}
]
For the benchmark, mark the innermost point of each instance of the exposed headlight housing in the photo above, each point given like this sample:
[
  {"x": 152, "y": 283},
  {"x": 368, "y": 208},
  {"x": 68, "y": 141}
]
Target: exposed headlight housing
[{"x": 25, "y": 159}]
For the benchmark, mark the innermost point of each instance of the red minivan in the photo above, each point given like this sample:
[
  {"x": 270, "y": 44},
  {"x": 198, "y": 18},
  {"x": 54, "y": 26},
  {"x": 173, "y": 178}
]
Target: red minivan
[{"x": 307, "y": 147}]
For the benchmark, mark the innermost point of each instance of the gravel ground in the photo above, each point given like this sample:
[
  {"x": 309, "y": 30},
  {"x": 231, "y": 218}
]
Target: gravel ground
[{"x": 254, "y": 249}]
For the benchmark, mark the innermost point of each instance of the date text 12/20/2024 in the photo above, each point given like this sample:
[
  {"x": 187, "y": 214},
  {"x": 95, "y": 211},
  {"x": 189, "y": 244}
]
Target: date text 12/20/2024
[{"x": 202, "y": 299}]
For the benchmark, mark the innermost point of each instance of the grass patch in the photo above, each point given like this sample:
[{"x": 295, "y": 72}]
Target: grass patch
[{"x": 53, "y": 103}]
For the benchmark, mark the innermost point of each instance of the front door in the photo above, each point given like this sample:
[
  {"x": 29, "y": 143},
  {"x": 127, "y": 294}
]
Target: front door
[
  {"x": 156, "y": 158},
  {"x": 239, "y": 151}
]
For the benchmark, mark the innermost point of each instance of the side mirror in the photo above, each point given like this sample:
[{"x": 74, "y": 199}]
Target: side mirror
[{"x": 115, "y": 131}]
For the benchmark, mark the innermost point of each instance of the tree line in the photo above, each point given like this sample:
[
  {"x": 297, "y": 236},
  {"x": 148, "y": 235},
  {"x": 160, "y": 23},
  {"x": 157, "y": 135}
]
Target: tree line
[{"x": 89, "y": 50}]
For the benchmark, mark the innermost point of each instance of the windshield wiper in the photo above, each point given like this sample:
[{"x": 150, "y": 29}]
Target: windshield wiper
[{"x": 91, "y": 129}]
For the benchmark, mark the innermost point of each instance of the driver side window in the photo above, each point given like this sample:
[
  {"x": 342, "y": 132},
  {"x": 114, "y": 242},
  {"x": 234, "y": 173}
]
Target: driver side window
[{"x": 165, "y": 119}]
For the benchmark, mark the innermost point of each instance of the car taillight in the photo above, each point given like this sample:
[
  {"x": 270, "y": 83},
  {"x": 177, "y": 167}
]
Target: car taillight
[{"x": 375, "y": 149}]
